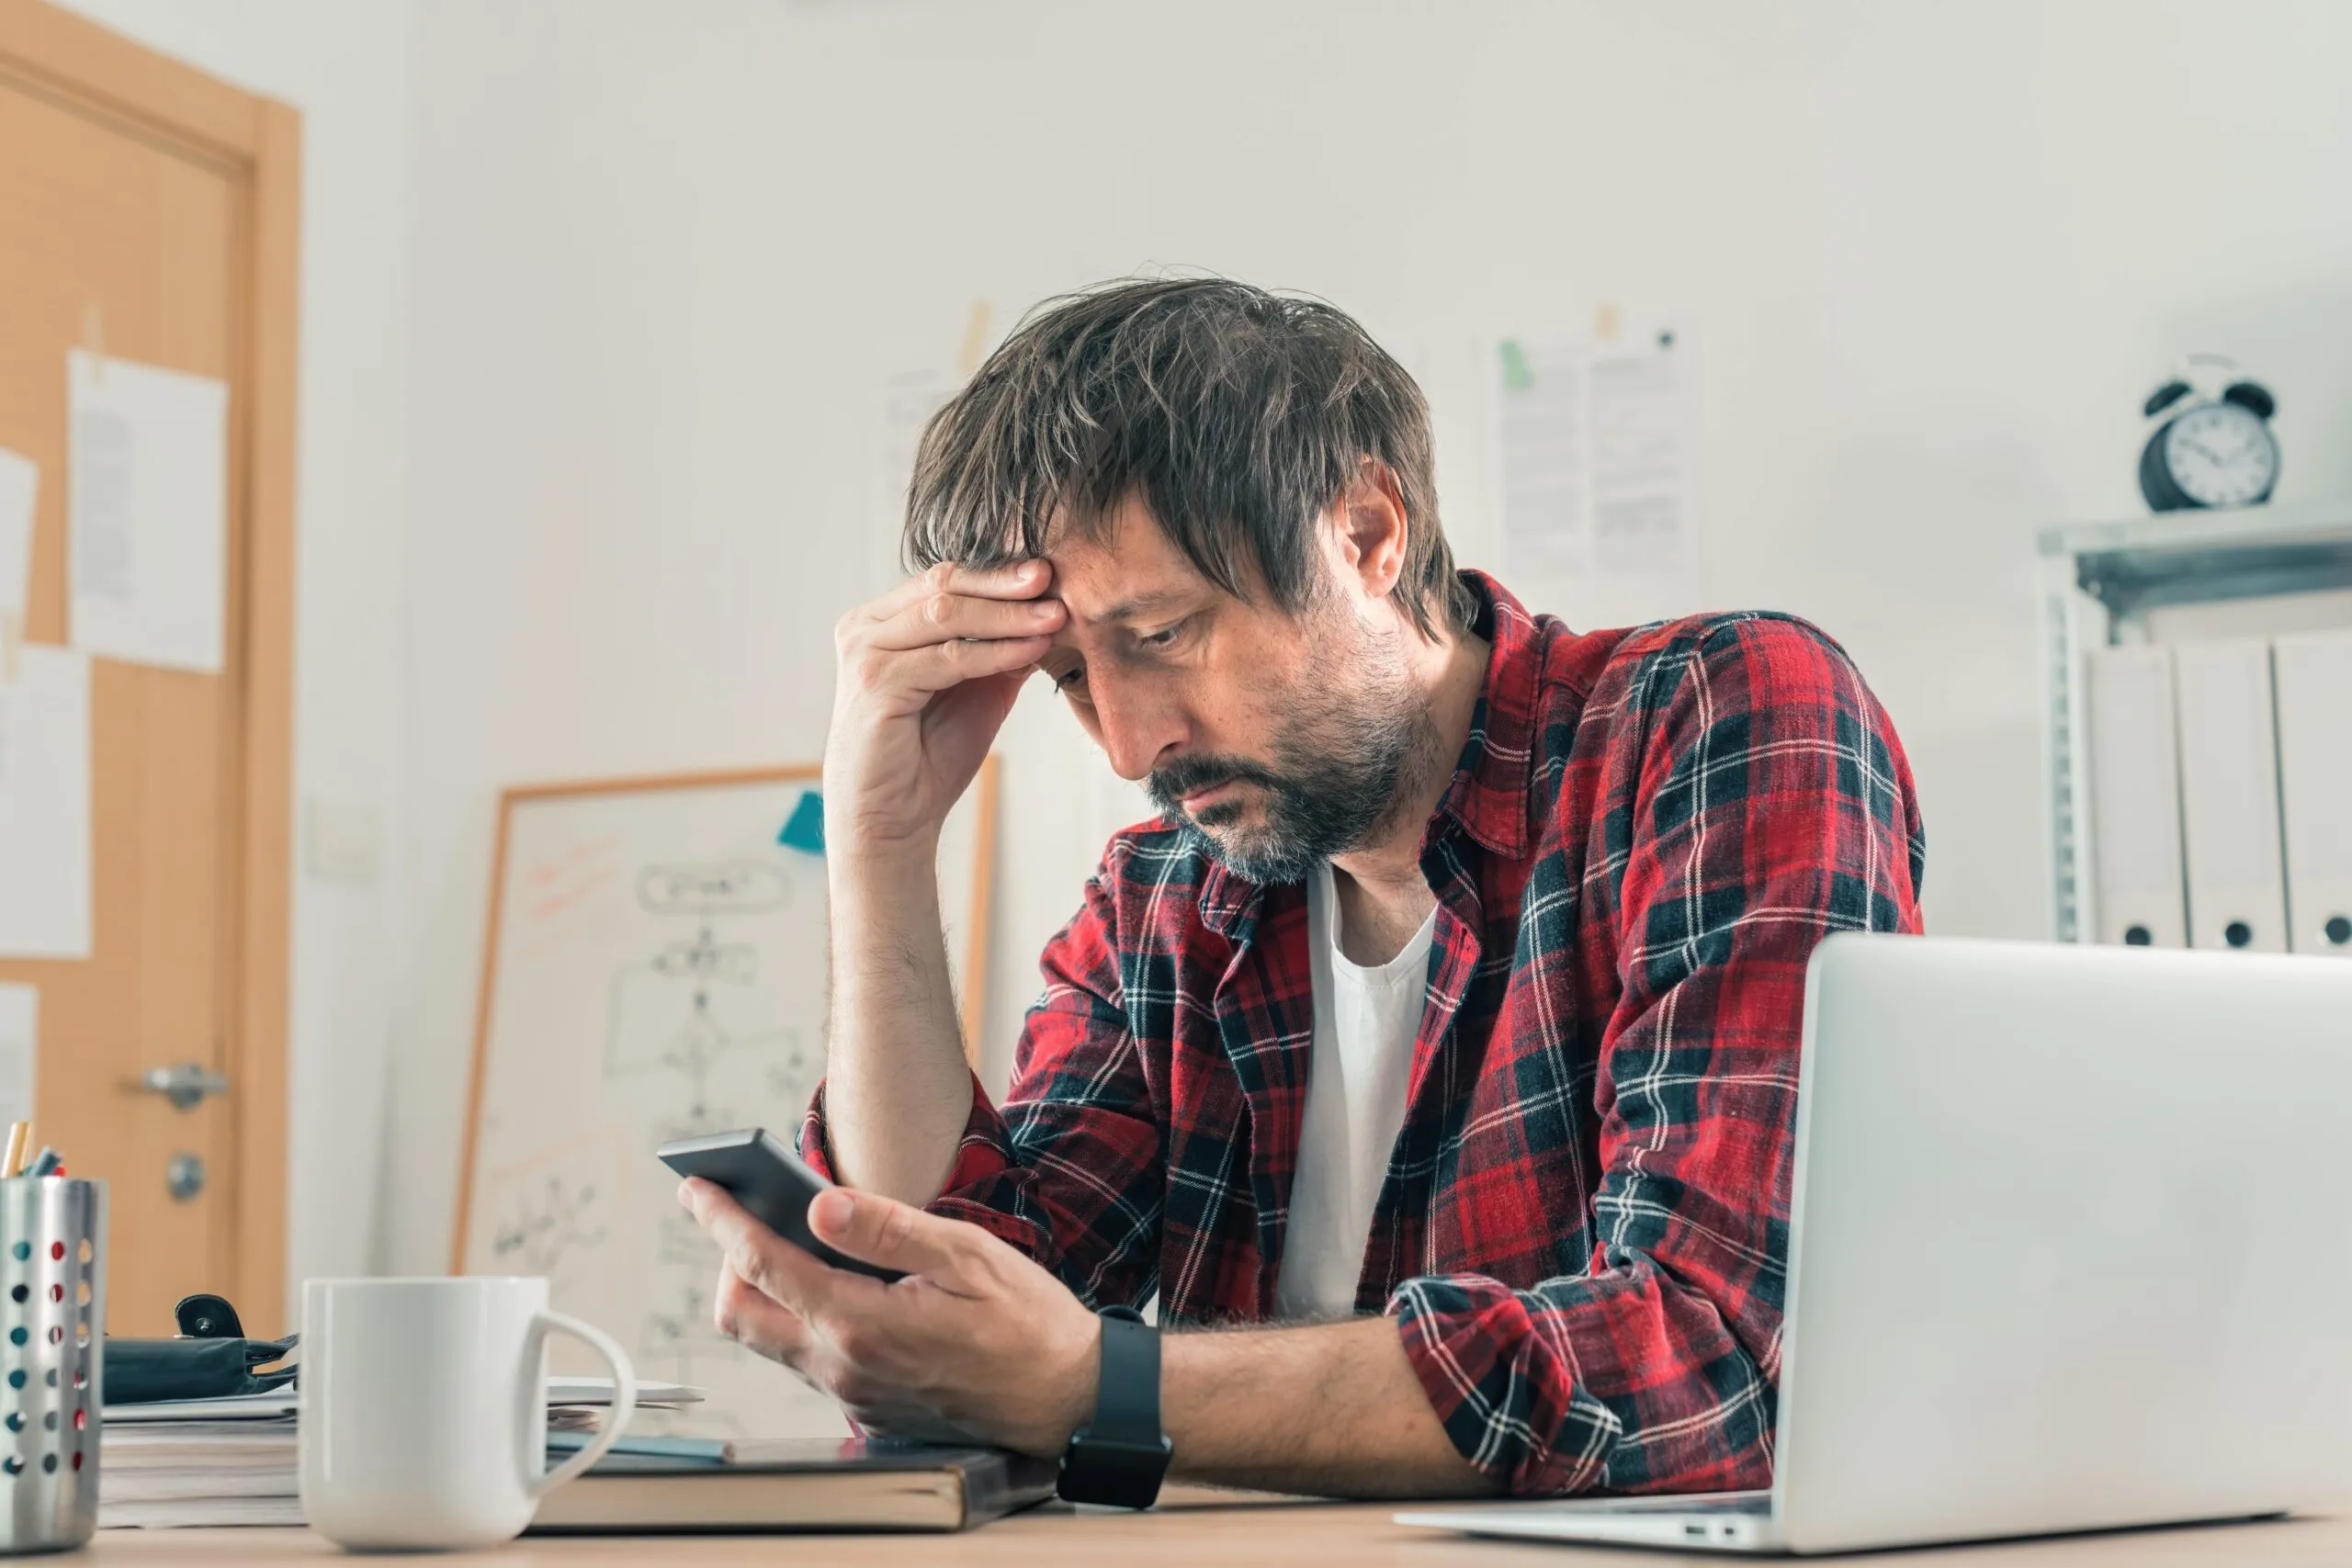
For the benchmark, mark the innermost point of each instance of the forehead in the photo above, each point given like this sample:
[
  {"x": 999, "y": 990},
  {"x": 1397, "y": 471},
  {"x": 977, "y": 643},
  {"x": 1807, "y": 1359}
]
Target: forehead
[{"x": 1126, "y": 568}]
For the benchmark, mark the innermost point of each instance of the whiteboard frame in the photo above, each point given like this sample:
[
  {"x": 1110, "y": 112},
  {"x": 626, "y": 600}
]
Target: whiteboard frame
[{"x": 973, "y": 1004}]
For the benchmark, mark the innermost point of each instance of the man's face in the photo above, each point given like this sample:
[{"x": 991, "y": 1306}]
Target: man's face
[{"x": 1280, "y": 739}]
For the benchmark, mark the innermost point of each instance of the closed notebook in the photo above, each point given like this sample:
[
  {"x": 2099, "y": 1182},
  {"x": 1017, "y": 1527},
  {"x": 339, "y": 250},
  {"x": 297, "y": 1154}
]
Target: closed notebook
[{"x": 797, "y": 1485}]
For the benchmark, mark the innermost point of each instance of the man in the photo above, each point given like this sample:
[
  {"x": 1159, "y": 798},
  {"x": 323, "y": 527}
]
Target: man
[{"x": 1438, "y": 1046}]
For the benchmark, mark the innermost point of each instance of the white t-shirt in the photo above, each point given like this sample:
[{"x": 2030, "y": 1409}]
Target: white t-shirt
[{"x": 1362, "y": 1056}]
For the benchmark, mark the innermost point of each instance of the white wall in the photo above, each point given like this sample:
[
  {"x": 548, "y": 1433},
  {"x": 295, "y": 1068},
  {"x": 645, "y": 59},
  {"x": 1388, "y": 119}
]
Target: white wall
[
  {"x": 346, "y": 67},
  {"x": 1938, "y": 252},
  {"x": 663, "y": 256}
]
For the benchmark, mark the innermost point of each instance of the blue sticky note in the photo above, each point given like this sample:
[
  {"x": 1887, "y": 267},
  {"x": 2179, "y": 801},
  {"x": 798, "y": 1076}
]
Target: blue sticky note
[{"x": 806, "y": 829}]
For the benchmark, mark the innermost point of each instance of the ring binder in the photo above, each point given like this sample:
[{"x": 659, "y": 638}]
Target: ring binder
[
  {"x": 2314, "y": 675},
  {"x": 2229, "y": 796}
]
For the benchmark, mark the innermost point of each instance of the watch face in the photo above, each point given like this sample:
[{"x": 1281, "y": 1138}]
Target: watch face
[{"x": 2221, "y": 455}]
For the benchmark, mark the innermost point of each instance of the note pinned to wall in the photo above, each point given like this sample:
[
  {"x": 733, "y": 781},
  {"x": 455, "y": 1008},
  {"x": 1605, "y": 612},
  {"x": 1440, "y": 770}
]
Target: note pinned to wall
[
  {"x": 147, "y": 512},
  {"x": 909, "y": 399},
  {"x": 19, "y": 488},
  {"x": 19, "y": 1050},
  {"x": 1597, "y": 443},
  {"x": 45, "y": 806}
]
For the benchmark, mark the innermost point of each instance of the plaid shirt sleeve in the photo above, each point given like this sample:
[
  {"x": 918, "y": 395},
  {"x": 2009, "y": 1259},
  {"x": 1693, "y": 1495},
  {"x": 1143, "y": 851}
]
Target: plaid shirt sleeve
[
  {"x": 1761, "y": 805},
  {"x": 1072, "y": 1179}
]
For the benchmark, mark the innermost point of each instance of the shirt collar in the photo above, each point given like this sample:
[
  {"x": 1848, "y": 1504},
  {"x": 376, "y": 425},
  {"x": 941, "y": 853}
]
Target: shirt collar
[{"x": 1488, "y": 796}]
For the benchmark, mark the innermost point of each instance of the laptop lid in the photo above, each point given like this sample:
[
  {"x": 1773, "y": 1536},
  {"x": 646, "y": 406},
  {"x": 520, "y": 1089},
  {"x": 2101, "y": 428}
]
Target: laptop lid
[{"x": 2069, "y": 1241}]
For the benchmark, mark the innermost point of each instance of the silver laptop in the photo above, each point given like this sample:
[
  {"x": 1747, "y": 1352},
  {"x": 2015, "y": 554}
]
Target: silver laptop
[{"x": 2071, "y": 1249}]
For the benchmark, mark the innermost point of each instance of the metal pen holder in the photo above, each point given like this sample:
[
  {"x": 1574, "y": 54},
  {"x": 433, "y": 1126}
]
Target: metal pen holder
[{"x": 53, "y": 1342}]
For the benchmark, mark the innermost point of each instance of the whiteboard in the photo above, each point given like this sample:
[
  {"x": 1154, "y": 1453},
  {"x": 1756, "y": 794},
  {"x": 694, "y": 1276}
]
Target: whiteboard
[{"x": 655, "y": 968}]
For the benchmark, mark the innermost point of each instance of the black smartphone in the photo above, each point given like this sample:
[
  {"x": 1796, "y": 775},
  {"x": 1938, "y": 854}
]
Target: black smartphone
[{"x": 762, "y": 1174}]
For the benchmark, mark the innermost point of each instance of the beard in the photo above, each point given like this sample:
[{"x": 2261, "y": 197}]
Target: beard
[{"x": 1354, "y": 742}]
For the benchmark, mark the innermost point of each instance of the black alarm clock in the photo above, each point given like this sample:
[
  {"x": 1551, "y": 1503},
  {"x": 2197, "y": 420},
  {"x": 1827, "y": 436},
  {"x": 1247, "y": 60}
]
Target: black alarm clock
[{"x": 2214, "y": 449}]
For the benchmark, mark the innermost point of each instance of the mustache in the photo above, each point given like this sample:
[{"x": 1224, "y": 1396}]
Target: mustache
[{"x": 1191, "y": 775}]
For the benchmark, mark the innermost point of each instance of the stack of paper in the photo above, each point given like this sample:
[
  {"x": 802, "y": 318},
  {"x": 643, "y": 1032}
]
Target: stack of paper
[
  {"x": 184, "y": 1473},
  {"x": 186, "y": 1462}
]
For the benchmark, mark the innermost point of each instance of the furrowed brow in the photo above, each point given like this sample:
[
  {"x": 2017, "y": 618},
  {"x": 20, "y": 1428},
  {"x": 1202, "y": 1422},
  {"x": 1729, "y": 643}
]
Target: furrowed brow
[{"x": 1140, "y": 605}]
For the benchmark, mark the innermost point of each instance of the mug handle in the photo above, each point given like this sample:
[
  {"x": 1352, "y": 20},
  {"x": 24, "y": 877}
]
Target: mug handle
[{"x": 624, "y": 1399}]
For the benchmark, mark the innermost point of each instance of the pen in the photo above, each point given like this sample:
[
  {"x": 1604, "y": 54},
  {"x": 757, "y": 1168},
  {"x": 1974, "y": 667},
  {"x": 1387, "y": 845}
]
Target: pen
[
  {"x": 20, "y": 1134},
  {"x": 46, "y": 1163}
]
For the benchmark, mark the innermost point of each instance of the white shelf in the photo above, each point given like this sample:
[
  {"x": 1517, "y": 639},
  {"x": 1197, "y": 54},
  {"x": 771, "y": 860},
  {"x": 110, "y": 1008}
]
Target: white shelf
[{"x": 2099, "y": 581}]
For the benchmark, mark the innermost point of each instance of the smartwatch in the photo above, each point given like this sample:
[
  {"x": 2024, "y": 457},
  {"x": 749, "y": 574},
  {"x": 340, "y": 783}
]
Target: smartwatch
[{"x": 1120, "y": 1456}]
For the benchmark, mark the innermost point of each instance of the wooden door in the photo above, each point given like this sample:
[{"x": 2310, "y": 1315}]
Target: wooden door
[{"x": 148, "y": 211}]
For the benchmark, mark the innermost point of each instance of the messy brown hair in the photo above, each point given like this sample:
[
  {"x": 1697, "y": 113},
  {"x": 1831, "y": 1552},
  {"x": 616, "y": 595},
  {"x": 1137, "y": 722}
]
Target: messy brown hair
[{"x": 1235, "y": 414}]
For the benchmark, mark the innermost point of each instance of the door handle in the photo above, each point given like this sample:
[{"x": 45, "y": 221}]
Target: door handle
[{"x": 187, "y": 1086}]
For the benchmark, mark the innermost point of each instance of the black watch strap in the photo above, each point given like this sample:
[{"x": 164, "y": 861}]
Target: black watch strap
[{"x": 1119, "y": 1457}]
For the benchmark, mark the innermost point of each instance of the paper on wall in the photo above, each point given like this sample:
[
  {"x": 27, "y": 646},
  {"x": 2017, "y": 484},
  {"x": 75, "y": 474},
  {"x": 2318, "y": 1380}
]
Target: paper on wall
[
  {"x": 147, "y": 512},
  {"x": 909, "y": 399},
  {"x": 45, "y": 805},
  {"x": 19, "y": 485},
  {"x": 1597, "y": 447},
  {"x": 19, "y": 1050}
]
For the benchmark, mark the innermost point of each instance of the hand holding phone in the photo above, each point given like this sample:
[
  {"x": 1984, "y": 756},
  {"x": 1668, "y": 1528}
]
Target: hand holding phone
[{"x": 765, "y": 1176}]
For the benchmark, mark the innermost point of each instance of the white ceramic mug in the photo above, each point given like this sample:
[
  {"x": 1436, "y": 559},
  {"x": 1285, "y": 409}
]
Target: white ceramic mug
[{"x": 424, "y": 1409}]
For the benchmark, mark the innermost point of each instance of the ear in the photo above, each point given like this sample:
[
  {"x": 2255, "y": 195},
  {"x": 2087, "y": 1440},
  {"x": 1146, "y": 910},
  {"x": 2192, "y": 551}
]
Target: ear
[{"x": 1372, "y": 523}]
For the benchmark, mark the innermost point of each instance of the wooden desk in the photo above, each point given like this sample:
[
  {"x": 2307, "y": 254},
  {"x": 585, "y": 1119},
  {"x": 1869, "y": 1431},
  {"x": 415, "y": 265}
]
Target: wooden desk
[{"x": 1197, "y": 1528}]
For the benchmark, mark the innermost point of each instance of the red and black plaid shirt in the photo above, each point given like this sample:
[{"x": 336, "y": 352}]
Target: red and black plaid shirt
[{"x": 1583, "y": 1234}]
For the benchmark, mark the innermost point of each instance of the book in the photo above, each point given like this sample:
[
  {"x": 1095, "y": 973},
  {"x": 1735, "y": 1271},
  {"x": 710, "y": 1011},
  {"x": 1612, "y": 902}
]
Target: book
[
  {"x": 246, "y": 1471},
  {"x": 276, "y": 1405},
  {"x": 797, "y": 1485},
  {"x": 565, "y": 1390},
  {"x": 284, "y": 1512},
  {"x": 237, "y": 1461},
  {"x": 563, "y": 1443},
  {"x": 563, "y": 1394}
]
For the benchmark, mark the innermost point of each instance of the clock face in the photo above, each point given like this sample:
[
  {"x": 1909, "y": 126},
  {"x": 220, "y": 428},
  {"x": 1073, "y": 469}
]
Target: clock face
[{"x": 2221, "y": 455}]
